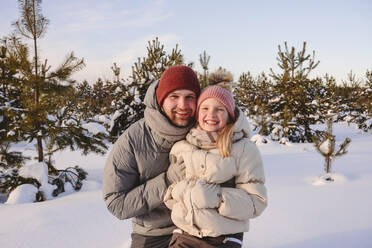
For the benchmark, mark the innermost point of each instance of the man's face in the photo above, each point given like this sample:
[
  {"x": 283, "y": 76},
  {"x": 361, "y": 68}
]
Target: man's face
[{"x": 179, "y": 106}]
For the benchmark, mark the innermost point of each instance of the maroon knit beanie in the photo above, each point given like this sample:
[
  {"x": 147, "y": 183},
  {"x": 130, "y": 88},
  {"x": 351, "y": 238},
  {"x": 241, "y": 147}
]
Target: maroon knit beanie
[
  {"x": 176, "y": 78},
  {"x": 222, "y": 95}
]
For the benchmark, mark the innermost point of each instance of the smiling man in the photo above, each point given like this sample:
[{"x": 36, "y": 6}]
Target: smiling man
[{"x": 137, "y": 172}]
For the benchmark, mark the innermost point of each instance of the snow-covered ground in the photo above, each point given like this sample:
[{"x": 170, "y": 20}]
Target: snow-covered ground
[{"x": 302, "y": 212}]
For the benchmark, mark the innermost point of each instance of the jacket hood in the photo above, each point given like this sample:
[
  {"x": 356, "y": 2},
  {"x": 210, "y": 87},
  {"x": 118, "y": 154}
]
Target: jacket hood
[
  {"x": 241, "y": 123},
  {"x": 150, "y": 97}
]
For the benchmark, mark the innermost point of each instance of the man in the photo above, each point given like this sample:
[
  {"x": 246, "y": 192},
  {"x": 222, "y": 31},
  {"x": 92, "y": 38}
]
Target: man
[{"x": 136, "y": 174}]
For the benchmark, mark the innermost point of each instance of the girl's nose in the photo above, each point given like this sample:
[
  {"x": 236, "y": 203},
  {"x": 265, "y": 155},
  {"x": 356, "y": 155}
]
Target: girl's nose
[{"x": 211, "y": 112}]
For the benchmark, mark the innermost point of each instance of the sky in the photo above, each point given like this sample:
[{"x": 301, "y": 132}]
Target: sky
[{"x": 238, "y": 35}]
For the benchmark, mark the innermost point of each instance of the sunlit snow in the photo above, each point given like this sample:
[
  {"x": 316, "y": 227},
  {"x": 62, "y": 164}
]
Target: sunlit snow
[{"x": 304, "y": 210}]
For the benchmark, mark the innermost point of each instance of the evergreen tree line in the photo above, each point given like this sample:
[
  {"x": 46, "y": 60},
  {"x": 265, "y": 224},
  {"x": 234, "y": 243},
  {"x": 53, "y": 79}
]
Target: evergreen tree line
[{"x": 283, "y": 105}]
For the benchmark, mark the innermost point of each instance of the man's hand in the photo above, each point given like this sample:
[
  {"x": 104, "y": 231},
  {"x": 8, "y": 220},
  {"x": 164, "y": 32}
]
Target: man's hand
[{"x": 175, "y": 173}]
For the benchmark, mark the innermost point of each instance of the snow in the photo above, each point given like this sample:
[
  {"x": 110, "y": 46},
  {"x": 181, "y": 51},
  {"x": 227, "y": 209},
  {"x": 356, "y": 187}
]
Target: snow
[
  {"x": 369, "y": 122},
  {"x": 325, "y": 179},
  {"x": 137, "y": 99},
  {"x": 94, "y": 128},
  {"x": 285, "y": 141},
  {"x": 348, "y": 118},
  {"x": 10, "y": 133},
  {"x": 304, "y": 209},
  {"x": 325, "y": 146},
  {"x": 24, "y": 193},
  {"x": 69, "y": 122},
  {"x": 51, "y": 118},
  {"x": 116, "y": 115},
  {"x": 102, "y": 118},
  {"x": 62, "y": 111},
  {"x": 259, "y": 139},
  {"x": 38, "y": 171}
]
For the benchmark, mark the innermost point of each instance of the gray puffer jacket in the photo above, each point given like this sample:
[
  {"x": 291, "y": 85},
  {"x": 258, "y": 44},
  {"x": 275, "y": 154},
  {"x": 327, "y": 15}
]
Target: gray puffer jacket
[{"x": 134, "y": 175}]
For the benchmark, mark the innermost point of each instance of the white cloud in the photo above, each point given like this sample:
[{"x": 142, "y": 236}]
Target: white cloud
[{"x": 112, "y": 15}]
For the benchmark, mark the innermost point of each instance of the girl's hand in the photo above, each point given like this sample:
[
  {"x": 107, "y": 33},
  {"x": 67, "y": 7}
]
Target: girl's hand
[{"x": 205, "y": 195}]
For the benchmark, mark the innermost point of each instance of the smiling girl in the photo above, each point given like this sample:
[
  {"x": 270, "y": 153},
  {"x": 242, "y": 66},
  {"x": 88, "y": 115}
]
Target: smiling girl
[{"x": 224, "y": 183}]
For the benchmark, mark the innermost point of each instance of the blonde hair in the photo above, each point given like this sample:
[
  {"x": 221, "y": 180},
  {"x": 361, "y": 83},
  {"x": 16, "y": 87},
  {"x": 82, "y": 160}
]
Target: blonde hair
[{"x": 224, "y": 140}]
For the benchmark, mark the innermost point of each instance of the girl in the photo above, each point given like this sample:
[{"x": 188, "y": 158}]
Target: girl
[{"x": 224, "y": 184}]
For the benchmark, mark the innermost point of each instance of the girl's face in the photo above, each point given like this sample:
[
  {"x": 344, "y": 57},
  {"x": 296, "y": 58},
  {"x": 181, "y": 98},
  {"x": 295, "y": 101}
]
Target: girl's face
[{"x": 213, "y": 115}]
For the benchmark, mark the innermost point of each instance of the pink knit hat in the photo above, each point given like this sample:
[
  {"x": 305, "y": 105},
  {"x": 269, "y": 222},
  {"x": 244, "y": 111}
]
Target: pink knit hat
[{"x": 222, "y": 95}]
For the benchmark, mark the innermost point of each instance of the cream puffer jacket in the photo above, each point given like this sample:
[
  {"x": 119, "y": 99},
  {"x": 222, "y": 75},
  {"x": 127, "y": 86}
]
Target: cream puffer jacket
[{"x": 200, "y": 206}]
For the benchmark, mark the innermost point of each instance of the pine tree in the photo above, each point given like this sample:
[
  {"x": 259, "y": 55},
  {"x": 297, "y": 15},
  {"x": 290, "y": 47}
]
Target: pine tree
[
  {"x": 306, "y": 110},
  {"x": 256, "y": 95},
  {"x": 326, "y": 146},
  {"x": 84, "y": 101},
  {"x": 39, "y": 102},
  {"x": 263, "y": 96},
  {"x": 59, "y": 127},
  {"x": 10, "y": 114},
  {"x": 329, "y": 99},
  {"x": 354, "y": 107},
  {"x": 367, "y": 100},
  {"x": 32, "y": 24},
  {"x": 244, "y": 92},
  {"x": 204, "y": 61},
  {"x": 293, "y": 85},
  {"x": 47, "y": 96},
  {"x": 102, "y": 96},
  {"x": 362, "y": 103},
  {"x": 10, "y": 93}
]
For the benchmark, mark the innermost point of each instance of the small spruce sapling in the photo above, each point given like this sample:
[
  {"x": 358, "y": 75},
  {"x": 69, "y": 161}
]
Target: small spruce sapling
[
  {"x": 327, "y": 147},
  {"x": 204, "y": 61},
  {"x": 73, "y": 175}
]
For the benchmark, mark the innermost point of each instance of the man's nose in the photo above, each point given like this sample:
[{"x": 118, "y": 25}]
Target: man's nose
[{"x": 182, "y": 103}]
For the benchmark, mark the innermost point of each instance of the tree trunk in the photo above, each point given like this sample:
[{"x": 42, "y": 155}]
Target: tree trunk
[
  {"x": 328, "y": 164},
  {"x": 37, "y": 90},
  {"x": 285, "y": 122}
]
